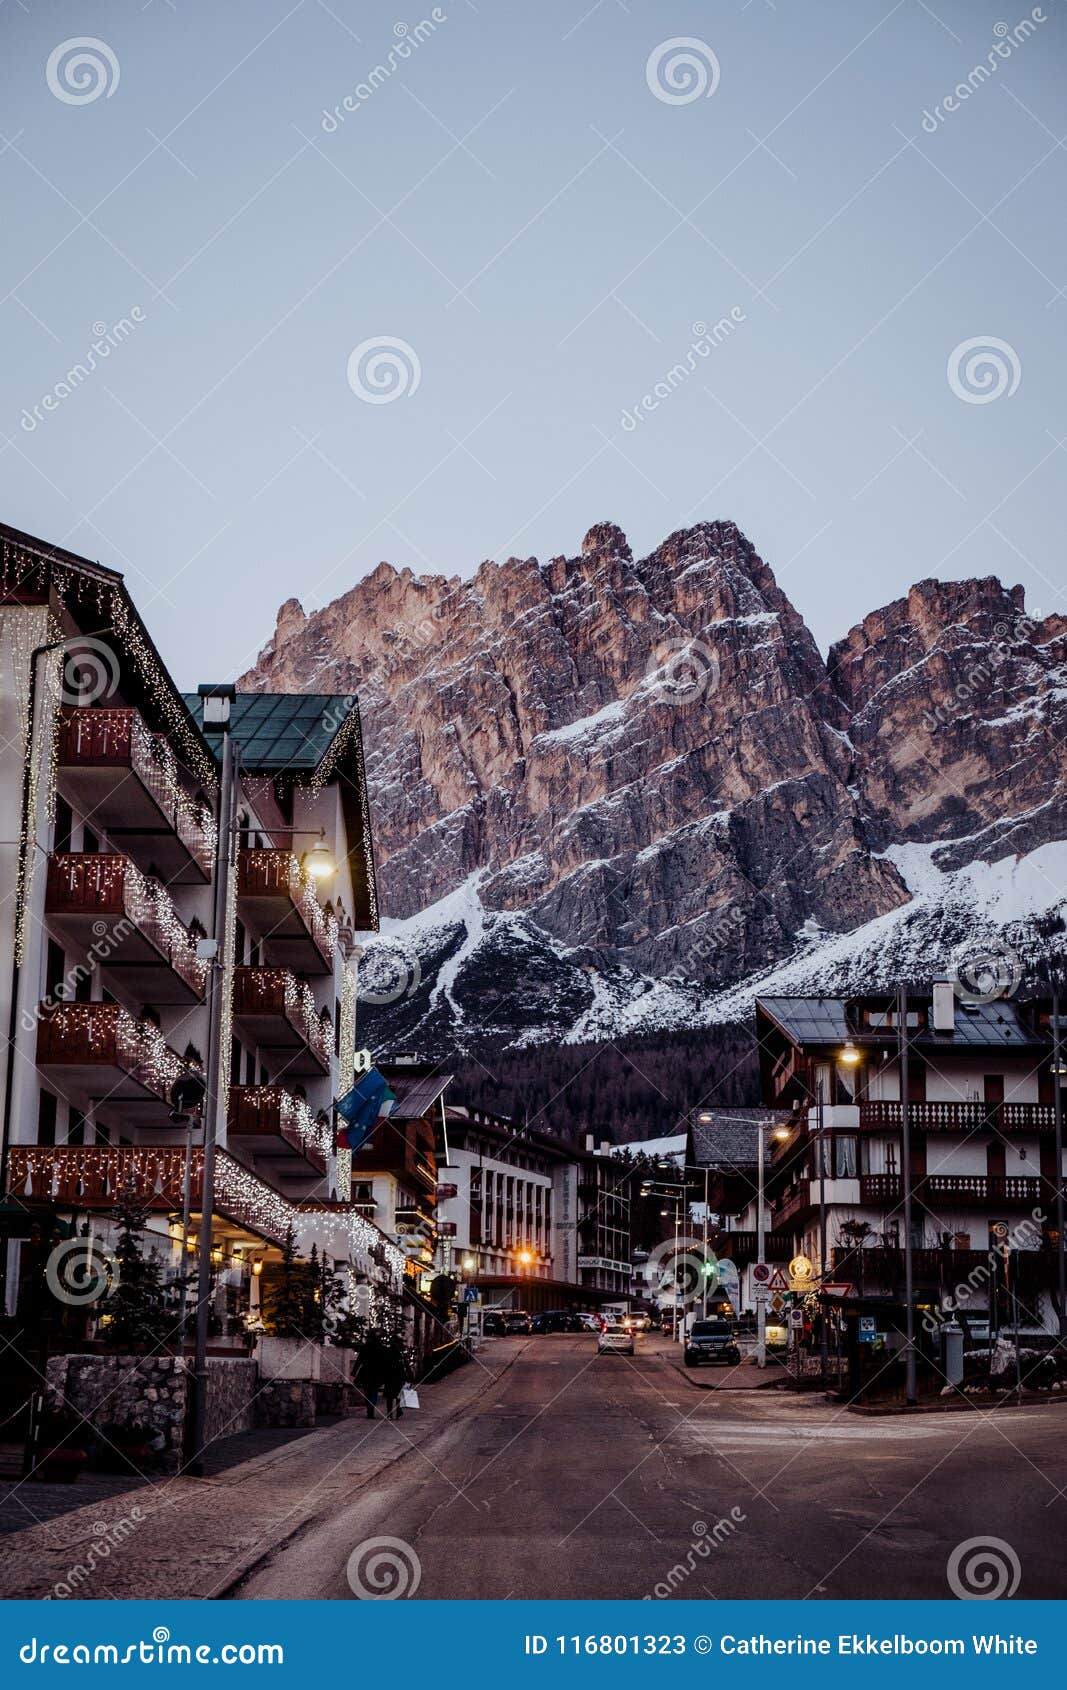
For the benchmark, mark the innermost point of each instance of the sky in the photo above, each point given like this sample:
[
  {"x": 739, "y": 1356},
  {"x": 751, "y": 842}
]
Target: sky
[{"x": 408, "y": 284}]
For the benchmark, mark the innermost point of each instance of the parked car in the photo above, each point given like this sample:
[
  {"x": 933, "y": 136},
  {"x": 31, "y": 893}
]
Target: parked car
[
  {"x": 590, "y": 1322},
  {"x": 556, "y": 1320},
  {"x": 616, "y": 1339},
  {"x": 711, "y": 1341},
  {"x": 516, "y": 1323},
  {"x": 493, "y": 1325}
]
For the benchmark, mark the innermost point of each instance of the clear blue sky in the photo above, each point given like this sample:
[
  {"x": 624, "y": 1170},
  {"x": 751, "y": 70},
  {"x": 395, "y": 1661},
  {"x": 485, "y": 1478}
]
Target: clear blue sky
[{"x": 515, "y": 203}]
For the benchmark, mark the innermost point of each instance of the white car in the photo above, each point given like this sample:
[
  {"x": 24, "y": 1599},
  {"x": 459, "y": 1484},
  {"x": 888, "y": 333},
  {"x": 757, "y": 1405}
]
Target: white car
[{"x": 616, "y": 1339}]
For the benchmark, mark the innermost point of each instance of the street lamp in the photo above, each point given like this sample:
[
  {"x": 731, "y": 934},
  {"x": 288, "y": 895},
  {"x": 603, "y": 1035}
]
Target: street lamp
[
  {"x": 216, "y": 705},
  {"x": 1059, "y": 1071},
  {"x": 318, "y": 862},
  {"x": 910, "y": 1389},
  {"x": 780, "y": 1134}
]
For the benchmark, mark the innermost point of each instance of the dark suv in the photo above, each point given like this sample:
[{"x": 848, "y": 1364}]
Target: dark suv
[
  {"x": 516, "y": 1323},
  {"x": 711, "y": 1340}
]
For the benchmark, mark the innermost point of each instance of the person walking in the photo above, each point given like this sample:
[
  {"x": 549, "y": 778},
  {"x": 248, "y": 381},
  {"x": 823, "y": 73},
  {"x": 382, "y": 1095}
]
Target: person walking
[
  {"x": 394, "y": 1378},
  {"x": 371, "y": 1371}
]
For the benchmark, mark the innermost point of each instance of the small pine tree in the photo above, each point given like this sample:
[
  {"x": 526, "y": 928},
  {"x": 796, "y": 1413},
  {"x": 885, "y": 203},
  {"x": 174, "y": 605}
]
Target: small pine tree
[
  {"x": 135, "y": 1312},
  {"x": 288, "y": 1294}
]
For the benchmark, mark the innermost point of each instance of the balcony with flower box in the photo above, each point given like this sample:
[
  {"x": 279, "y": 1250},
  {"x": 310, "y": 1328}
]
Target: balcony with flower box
[
  {"x": 126, "y": 778},
  {"x": 105, "y": 907},
  {"x": 278, "y": 900},
  {"x": 271, "y": 1124},
  {"x": 279, "y": 1013},
  {"x": 102, "y": 1050}
]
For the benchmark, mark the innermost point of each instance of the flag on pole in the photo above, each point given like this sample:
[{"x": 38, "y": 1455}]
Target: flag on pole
[{"x": 360, "y": 1110}]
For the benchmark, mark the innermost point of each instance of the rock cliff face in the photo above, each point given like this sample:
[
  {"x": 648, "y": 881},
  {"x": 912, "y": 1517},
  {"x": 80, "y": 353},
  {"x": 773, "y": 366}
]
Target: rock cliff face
[{"x": 605, "y": 790}]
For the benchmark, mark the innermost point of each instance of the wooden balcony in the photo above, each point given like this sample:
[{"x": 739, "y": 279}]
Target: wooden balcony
[
  {"x": 104, "y": 907},
  {"x": 127, "y": 780},
  {"x": 278, "y": 900},
  {"x": 268, "y": 1122},
  {"x": 970, "y": 1190},
  {"x": 792, "y": 1202},
  {"x": 962, "y": 1117},
  {"x": 278, "y": 1011},
  {"x": 742, "y": 1247},
  {"x": 102, "y": 1050},
  {"x": 93, "y": 1176}
]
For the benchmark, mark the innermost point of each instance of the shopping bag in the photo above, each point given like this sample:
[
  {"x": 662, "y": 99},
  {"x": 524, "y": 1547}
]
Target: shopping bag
[{"x": 409, "y": 1397}]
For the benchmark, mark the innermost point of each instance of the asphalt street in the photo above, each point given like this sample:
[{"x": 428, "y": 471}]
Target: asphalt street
[{"x": 587, "y": 1476}]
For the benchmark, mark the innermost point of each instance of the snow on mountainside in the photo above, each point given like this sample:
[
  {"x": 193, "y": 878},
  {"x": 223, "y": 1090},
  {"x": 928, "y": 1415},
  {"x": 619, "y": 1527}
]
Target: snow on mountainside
[{"x": 611, "y": 795}]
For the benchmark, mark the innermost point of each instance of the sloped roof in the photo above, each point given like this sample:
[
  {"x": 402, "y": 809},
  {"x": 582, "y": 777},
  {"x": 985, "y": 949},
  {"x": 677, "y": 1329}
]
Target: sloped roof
[
  {"x": 416, "y": 1095},
  {"x": 827, "y": 1021},
  {"x": 279, "y": 731},
  {"x": 731, "y": 1138}
]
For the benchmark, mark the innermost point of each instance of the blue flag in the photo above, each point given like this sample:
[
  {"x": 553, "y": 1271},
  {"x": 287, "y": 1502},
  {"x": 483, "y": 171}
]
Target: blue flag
[{"x": 369, "y": 1102}]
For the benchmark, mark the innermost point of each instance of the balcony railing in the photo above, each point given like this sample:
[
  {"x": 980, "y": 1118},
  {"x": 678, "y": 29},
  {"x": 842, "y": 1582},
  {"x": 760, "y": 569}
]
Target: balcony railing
[
  {"x": 265, "y": 1114},
  {"x": 119, "y": 740},
  {"x": 104, "y": 1039},
  {"x": 983, "y": 1189},
  {"x": 962, "y": 1117},
  {"x": 114, "y": 892},
  {"x": 284, "y": 1010},
  {"x": 275, "y": 881},
  {"x": 792, "y": 1201}
]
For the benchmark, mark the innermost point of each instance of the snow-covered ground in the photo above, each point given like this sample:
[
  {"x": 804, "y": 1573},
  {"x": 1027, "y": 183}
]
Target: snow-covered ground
[{"x": 963, "y": 920}]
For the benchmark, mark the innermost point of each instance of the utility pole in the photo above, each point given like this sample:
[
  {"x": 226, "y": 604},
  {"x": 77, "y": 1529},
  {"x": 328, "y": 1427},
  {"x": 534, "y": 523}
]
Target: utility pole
[
  {"x": 910, "y": 1391},
  {"x": 1057, "y": 1098},
  {"x": 823, "y": 1336},
  {"x": 761, "y": 1252}
]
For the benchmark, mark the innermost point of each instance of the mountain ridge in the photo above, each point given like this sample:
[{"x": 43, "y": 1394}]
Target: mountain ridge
[{"x": 600, "y": 777}]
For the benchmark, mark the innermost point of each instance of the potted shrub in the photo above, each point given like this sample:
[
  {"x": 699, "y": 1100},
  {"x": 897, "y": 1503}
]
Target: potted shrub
[{"x": 61, "y": 1448}]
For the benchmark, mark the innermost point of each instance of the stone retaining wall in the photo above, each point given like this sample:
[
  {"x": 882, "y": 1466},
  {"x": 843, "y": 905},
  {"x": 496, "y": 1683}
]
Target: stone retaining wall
[{"x": 153, "y": 1391}]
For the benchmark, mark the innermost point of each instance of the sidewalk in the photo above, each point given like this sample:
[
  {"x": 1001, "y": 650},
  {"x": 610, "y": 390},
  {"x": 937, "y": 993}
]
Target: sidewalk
[{"x": 195, "y": 1538}]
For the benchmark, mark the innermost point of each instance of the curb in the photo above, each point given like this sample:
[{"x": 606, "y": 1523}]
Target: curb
[
  {"x": 246, "y": 1568},
  {"x": 727, "y": 1390}
]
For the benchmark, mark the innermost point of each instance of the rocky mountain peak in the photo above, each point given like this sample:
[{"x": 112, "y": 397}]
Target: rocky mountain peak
[{"x": 605, "y": 789}]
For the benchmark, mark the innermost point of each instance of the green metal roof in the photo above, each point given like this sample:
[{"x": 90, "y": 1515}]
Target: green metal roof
[{"x": 279, "y": 731}]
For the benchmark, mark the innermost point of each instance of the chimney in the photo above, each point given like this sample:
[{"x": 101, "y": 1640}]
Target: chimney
[
  {"x": 605, "y": 1146},
  {"x": 944, "y": 1007},
  {"x": 590, "y": 1142}
]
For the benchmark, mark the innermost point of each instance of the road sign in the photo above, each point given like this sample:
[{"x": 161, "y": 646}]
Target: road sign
[
  {"x": 868, "y": 1331},
  {"x": 796, "y": 1317},
  {"x": 778, "y": 1281},
  {"x": 777, "y": 1302},
  {"x": 837, "y": 1288},
  {"x": 761, "y": 1273},
  {"x": 471, "y": 1294}
]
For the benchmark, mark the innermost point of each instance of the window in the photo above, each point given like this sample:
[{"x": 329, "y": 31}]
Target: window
[
  {"x": 90, "y": 842},
  {"x": 75, "y": 1126},
  {"x": 46, "y": 1118},
  {"x": 54, "y": 969},
  {"x": 64, "y": 826}
]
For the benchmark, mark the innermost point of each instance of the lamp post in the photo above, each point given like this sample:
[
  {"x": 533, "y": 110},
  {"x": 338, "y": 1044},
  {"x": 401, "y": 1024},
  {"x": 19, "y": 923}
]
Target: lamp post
[
  {"x": 910, "y": 1391},
  {"x": 780, "y": 1134},
  {"x": 217, "y": 701}
]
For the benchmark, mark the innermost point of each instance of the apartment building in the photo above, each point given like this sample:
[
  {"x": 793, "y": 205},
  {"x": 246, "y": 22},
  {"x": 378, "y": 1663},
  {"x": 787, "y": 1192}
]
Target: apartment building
[
  {"x": 982, "y": 1127},
  {"x": 110, "y": 785},
  {"x": 394, "y": 1175},
  {"x": 532, "y": 1222}
]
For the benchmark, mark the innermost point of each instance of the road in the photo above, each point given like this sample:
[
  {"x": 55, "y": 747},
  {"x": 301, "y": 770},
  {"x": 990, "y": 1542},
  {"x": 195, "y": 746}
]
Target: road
[{"x": 586, "y": 1476}]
